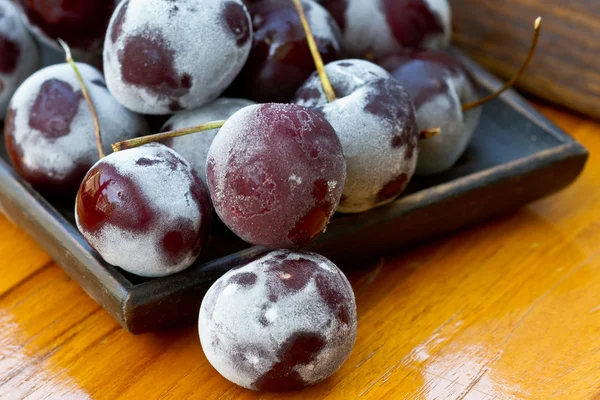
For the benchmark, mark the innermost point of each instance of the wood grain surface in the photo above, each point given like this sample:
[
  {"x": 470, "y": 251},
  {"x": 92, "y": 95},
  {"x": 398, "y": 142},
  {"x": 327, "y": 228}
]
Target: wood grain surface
[
  {"x": 566, "y": 67},
  {"x": 509, "y": 309}
]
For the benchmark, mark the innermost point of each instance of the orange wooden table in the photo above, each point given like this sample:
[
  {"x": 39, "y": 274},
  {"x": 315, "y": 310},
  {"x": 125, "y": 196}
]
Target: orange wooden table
[{"x": 509, "y": 309}]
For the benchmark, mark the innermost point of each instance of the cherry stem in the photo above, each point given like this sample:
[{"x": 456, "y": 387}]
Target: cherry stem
[
  {"x": 536, "y": 35},
  {"x": 316, "y": 54},
  {"x": 86, "y": 96},
  {"x": 369, "y": 56},
  {"x": 429, "y": 133},
  {"x": 129, "y": 144}
]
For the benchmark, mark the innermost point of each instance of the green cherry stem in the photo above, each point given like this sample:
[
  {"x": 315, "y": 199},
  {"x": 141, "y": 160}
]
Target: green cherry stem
[
  {"x": 316, "y": 54},
  {"x": 86, "y": 96},
  {"x": 429, "y": 133},
  {"x": 536, "y": 36},
  {"x": 136, "y": 142}
]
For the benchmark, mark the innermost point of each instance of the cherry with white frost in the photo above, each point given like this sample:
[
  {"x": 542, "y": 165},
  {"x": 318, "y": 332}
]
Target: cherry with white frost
[
  {"x": 379, "y": 27},
  {"x": 49, "y": 129},
  {"x": 162, "y": 56},
  {"x": 276, "y": 173},
  {"x": 439, "y": 85},
  {"x": 144, "y": 210},
  {"x": 375, "y": 121},
  {"x": 283, "y": 322},
  {"x": 446, "y": 96}
]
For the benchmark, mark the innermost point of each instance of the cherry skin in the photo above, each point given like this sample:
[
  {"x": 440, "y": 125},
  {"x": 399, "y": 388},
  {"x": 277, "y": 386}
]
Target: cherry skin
[
  {"x": 194, "y": 148},
  {"x": 283, "y": 322},
  {"x": 163, "y": 56},
  {"x": 19, "y": 55},
  {"x": 275, "y": 174},
  {"x": 82, "y": 24},
  {"x": 49, "y": 130},
  {"x": 144, "y": 210},
  {"x": 439, "y": 85},
  {"x": 280, "y": 60},
  {"x": 376, "y": 123},
  {"x": 379, "y": 27}
]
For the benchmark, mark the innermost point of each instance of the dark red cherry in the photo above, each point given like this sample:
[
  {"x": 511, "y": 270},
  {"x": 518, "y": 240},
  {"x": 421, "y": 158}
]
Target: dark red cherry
[
  {"x": 439, "y": 85},
  {"x": 379, "y": 27},
  {"x": 161, "y": 56},
  {"x": 82, "y": 24},
  {"x": 49, "y": 130},
  {"x": 280, "y": 60},
  {"x": 376, "y": 123},
  {"x": 276, "y": 173},
  {"x": 267, "y": 326},
  {"x": 11, "y": 52},
  {"x": 144, "y": 210},
  {"x": 19, "y": 55}
]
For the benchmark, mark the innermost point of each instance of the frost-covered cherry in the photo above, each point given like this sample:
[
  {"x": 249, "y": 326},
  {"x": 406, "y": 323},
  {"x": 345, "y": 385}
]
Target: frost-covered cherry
[
  {"x": 144, "y": 210},
  {"x": 19, "y": 55},
  {"x": 49, "y": 129},
  {"x": 445, "y": 95},
  {"x": 275, "y": 174},
  {"x": 439, "y": 85},
  {"x": 163, "y": 56},
  {"x": 283, "y": 322},
  {"x": 194, "y": 148},
  {"x": 82, "y": 24},
  {"x": 280, "y": 59},
  {"x": 383, "y": 26},
  {"x": 376, "y": 123}
]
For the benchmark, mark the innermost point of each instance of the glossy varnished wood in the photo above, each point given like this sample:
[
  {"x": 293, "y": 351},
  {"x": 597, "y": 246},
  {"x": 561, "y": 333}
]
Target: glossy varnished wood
[
  {"x": 566, "y": 67},
  {"x": 509, "y": 309}
]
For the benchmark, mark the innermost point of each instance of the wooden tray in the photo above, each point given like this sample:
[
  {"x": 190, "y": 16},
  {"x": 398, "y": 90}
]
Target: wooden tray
[{"x": 517, "y": 156}]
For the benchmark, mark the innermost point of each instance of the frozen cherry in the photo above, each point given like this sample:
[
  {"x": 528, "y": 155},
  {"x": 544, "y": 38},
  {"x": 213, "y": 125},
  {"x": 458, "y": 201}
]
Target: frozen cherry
[
  {"x": 163, "y": 56},
  {"x": 280, "y": 59},
  {"x": 19, "y": 55},
  {"x": 376, "y": 123},
  {"x": 82, "y": 24},
  {"x": 379, "y": 27},
  {"x": 144, "y": 210},
  {"x": 445, "y": 96},
  {"x": 49, "y": 130},
  {"x": 439, "y": 85},
  {"x": 276, "y": 173},
  {"x": 283, "y": 322},
  {"x": 194, "y": 148}
]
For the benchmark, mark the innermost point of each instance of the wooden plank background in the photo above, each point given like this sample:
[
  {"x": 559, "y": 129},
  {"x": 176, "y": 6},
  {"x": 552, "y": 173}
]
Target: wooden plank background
[{"x": 566, "y": 68}]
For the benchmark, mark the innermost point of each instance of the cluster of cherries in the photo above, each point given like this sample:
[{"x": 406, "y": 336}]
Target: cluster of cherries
[{"x": 276, "y": 160}]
